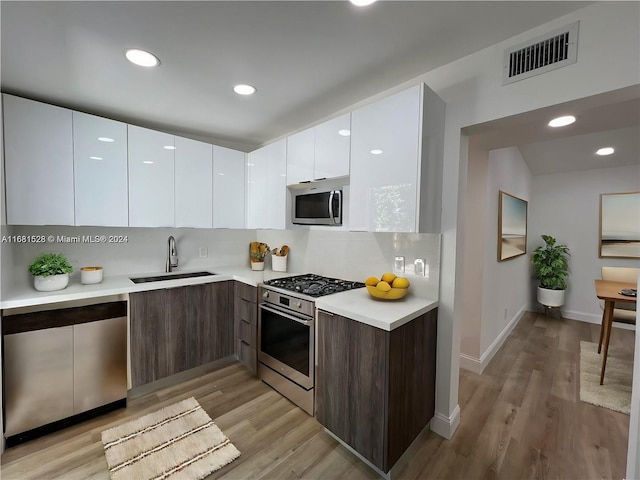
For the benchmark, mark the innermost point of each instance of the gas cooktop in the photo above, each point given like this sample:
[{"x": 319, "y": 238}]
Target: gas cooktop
[{"x": 313, "y": 285}]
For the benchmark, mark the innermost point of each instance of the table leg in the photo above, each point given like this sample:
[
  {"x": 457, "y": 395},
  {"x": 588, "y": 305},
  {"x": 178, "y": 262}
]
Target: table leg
[
  {"x": 602, "y": 326},
  {"x": 608, "y": 319}
]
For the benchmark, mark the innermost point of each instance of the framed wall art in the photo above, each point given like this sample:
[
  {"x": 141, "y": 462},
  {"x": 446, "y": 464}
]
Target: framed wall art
[
  {"x": 512, "y": 227},
  {"x": 620, "y": 225}
]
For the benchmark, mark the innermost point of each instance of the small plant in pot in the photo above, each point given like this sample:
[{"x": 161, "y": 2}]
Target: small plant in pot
[
  {"x": 551, "y": 266},
  {"x": 51, "y": 272}
]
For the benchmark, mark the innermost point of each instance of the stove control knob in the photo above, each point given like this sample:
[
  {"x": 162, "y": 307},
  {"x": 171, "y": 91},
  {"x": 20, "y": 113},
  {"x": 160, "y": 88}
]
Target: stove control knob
[
  {"x": 265, "y": 295},
  {"x": 298, "y": 304}
]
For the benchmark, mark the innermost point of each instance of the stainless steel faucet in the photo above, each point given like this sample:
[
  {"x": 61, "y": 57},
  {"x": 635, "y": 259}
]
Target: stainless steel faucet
[{"x": 172, "y": 254}]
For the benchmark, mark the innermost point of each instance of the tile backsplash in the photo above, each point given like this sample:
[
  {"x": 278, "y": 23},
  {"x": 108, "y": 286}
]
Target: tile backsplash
[{"x": 348, "y": 255}]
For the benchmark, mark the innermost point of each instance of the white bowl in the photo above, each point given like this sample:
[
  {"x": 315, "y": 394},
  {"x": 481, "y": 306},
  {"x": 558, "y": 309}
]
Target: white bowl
[{"x": 89, "y": 275}]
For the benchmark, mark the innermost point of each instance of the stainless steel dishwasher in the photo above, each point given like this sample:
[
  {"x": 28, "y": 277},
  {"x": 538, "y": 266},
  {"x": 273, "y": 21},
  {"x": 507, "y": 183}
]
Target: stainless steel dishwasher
[{"x": 62, "y": 365}]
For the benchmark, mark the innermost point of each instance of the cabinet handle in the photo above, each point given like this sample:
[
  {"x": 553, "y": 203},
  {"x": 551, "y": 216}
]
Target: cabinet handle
[{"x": 327, "y": 313}]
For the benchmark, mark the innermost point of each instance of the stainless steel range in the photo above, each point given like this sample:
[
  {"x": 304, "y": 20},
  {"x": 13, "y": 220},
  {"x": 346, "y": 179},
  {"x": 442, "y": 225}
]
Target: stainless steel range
[{"x": 286, "y": 333}]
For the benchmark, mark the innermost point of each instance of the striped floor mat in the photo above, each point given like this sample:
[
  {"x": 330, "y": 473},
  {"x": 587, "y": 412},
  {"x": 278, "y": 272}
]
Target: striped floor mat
[{"x": 179, "y": 441}]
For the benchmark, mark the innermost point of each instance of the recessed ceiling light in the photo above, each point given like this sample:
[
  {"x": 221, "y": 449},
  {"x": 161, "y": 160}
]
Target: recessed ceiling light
[
  {"x": 362, "y": 3},
  {"x": 106, "y": 139},
  {"x": 562, "y": 121},
  {"x": 169, "y": 147},
  {"x": 376, "y": 151},
  {"x": 605, "y": 151},
  {"x": 220, "y": 173},
  {"x": 344, "y": 132},
  {"x": 142, "y": 58},
  {"x": 95, "y": 158},
  {"x": 148, "y": 162},
  {"x": 243, "y": 89}
]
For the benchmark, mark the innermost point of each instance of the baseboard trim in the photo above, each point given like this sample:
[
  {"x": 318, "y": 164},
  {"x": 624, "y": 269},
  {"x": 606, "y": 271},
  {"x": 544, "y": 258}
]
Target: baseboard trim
[
  {"x": 584, "y": 317},
  {"x": 477, "y": 365},
  {"x": 470, "y": 363},
  {"x": 445, "y": 426}
]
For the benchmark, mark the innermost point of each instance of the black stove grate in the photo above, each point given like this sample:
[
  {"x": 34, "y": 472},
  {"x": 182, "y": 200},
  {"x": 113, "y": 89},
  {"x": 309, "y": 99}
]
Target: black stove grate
[{"x": 313, "y": 285}]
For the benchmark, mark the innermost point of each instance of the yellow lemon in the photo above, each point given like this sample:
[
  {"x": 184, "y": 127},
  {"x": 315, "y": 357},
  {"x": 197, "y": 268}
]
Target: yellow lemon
[
  {"x": 383, "y": 286},
  {"x": 400, "y": 282},
  {"x": 371, "y": 281},
  {"x": 388, "y": 277}
]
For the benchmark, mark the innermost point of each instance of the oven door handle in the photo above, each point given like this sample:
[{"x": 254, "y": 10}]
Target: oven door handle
[{"x": 306, "y": 323}]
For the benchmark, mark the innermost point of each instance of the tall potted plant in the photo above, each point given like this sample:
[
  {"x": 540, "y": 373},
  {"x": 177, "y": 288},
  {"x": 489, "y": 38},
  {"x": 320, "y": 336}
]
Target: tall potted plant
[
  {"x": 51, "y": 272},
  {"x": 551, "y": 266}
]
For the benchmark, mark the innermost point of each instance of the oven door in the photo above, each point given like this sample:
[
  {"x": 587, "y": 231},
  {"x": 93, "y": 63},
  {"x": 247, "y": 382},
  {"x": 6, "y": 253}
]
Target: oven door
[{"x": 286, "y": 343}]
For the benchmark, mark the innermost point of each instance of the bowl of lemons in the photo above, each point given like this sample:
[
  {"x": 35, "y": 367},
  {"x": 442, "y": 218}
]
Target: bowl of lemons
[{"x": 387, "y": 287}]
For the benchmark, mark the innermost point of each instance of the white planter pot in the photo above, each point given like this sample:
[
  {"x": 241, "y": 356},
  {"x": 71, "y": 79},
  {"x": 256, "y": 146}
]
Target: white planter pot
[
  {"x": 257, "y": 265},
  {"x": 550, "y": 298},
  {"x": 51, "y": 283}
]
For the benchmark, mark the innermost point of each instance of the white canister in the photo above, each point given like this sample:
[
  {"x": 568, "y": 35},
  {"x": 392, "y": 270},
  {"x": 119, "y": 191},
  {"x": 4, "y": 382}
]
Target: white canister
[
  {"x": 279, "y": 264},
  {"x": 89, "y": 275}
]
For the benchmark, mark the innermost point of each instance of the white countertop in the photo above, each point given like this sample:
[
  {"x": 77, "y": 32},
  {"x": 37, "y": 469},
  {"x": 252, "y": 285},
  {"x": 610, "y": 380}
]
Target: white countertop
[
  {"x": 384, "y": 314},
  {"x": 355, "y": 304},
  {"x": 27, "y": 295}
]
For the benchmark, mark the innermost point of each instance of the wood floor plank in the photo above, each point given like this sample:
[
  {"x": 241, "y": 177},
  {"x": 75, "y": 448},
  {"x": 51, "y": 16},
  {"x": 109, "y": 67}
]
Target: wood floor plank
[{"x": 522, "y": 418}]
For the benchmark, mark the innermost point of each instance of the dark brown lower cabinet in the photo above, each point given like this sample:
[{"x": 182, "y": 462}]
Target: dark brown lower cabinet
[
  {"x": 209, "y": 331},
  {"x": 158, "y": 334},
  {"x": 175, "y": 329},
  {"x": 375, "y": 389},
  {"x": 246, "y": 325}
]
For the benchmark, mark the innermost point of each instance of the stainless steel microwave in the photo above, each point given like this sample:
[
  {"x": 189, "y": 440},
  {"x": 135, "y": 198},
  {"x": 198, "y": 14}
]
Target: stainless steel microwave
[{"x": 316, "y": 206}]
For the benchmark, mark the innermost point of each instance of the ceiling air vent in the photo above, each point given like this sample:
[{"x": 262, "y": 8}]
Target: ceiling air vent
[{"x": 542, "y": 54}]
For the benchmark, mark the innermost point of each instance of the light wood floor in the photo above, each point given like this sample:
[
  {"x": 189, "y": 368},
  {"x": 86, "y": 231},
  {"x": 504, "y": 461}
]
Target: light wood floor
[{"x": 521, "y": 419}]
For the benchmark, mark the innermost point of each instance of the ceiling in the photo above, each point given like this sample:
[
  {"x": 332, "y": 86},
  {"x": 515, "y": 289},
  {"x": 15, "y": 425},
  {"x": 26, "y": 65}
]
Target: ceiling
[
  {"x": 609, "y": 119},
  {"x": 307, "y": 59}
]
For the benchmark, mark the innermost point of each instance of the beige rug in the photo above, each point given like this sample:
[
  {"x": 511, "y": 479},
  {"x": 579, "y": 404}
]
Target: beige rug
[
  {"x": 615, "y": 394},
  {"x": 179, "y": 441}
]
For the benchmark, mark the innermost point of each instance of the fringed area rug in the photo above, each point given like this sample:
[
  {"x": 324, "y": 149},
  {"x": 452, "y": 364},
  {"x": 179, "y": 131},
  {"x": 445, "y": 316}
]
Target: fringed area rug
[
  {"x": 179, "y": 441},
  {"x": 615, "y": 394}
]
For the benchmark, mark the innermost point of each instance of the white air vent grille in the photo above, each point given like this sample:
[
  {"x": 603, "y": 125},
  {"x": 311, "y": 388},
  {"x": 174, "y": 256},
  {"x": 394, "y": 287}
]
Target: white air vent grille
[{"x": 542, "y": 54}]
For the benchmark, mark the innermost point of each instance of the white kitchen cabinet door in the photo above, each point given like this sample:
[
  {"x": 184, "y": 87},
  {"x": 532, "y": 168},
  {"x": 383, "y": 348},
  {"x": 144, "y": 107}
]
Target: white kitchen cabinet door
[
  {"x": 151, "y": 178},
  {"x": 332, "y": 148},
  {"x": 229, "y": 187},
  {"x": 38, "y": 142},
  {"x": 257, "y": 188},
  {"x": 385, "y": 141},
  {"x": 100, "y": 171},
  {"x": 300, "y": 156},
  {"x": 267, "y": 186},
  {"x": 193, "y": 183},
  {"x": 276, "y": 198}
]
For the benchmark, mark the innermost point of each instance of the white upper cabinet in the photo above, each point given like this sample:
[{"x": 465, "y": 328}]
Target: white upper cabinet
[
  {"x": 392, "y": 164},
  {"x": 228, "y": 188},
  {"x": 38, "y": 142},
  {"x": 257, "y": 188},
  {"x": 332, "y": 148},
  {"x": 151, "y": 178},
  {"x": 319, "y": 153},
  {"x": 300, "y": 156},
  {"x": 267, "y": 186},
  {"x": 100, "y": 171},
  {"x": 276, "y": 199},
  {"x": 193, "y": 183}
]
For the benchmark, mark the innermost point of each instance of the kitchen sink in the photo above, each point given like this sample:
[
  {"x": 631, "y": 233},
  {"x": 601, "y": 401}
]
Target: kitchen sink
[{"x": 170, "y": 276}]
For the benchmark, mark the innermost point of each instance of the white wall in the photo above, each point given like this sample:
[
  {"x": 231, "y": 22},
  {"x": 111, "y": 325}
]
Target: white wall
[
  {"x": 633, "y": 454},
  {"x": 566, "y": 206},
  {"x": 358, "y": 255},
  {"x": 472, "y": 89},
  {"x": 502, "y": 286}
]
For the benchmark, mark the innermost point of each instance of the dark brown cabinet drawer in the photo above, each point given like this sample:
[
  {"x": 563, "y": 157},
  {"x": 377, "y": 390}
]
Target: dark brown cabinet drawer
[
  {"x": 248, "y": 333},
  {"x": 246, "y": 310},
  {"x": 246, "y": 292},
  {"x": 247, "y": 356}
]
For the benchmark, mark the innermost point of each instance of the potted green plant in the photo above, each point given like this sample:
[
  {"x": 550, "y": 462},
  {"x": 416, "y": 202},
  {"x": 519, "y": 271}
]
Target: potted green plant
[
  {"x": 51, "y": 272},
  {"x": 551, "y": 267}
]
